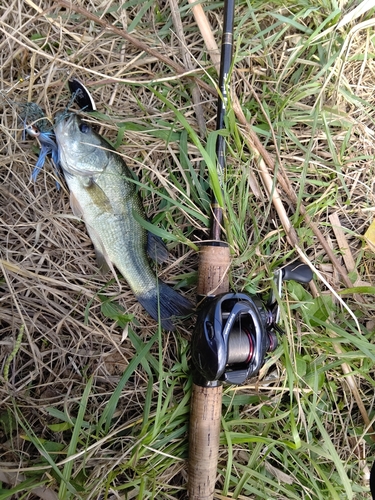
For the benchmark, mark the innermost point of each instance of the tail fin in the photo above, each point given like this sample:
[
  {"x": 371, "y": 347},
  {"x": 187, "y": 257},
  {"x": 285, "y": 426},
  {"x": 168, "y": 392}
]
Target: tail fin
[{"x": 167, "y": 302}]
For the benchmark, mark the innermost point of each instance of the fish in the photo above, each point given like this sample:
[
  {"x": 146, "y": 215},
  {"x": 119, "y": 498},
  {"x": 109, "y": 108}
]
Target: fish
[{"x": 103, "y": 193}]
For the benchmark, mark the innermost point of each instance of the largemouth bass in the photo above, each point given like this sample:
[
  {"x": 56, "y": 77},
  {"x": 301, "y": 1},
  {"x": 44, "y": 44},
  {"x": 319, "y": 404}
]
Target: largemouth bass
[{"x": 103, "y": 193}]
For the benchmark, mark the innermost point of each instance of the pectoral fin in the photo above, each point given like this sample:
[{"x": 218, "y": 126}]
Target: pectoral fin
[
  {"x": 98, "y": 196},
  {"x": 75, "y": 206}
]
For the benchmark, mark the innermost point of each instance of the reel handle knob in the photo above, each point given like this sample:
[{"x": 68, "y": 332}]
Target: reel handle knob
[{"x": 297, "y": 272}]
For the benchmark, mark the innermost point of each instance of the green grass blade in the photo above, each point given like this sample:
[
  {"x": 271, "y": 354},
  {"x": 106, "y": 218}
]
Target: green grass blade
[
  {"x": 107, "y": 415},
  {"x": 76, "y": 437}
]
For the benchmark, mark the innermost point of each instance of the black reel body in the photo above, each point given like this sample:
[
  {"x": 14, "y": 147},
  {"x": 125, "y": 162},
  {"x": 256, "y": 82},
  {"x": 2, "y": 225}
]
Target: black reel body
[
  {"x": 234, "y": 332},
  {"x": 231, "y": 338}
]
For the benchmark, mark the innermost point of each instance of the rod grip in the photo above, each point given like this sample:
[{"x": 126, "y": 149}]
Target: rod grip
[
  {"x": 214, "y": 264},
  {"x": 204, "y": 433},
  {"x": 205, "y": 405}
]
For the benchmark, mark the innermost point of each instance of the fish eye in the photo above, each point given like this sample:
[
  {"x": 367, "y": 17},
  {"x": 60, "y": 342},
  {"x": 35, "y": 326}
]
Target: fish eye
[{"x": 84, "y": 128}]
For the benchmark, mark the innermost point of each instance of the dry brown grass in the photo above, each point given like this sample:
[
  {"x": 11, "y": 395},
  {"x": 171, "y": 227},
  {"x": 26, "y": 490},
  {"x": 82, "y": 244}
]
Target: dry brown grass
[
  {"x": 49, "y": 281},
  {"x": 49, "y": 274}
]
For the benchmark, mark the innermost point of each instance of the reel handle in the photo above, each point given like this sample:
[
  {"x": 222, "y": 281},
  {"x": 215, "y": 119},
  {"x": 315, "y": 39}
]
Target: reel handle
[{"x": 297, "y": 272}]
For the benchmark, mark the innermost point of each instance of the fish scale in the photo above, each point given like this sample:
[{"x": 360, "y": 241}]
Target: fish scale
[{"x": 103, "y": 193}]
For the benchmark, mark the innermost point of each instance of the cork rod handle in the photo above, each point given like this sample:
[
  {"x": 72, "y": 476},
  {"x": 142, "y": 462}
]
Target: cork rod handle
[
  {"x": 205, "y": 415},
  {"x": 205, "y": 407},
  {"x": 214, "y": 263}
]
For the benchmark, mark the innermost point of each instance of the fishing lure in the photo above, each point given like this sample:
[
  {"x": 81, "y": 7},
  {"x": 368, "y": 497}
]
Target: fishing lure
[
  {"x": 37, "y": 125},
  {"x": 81, "y": 95}
]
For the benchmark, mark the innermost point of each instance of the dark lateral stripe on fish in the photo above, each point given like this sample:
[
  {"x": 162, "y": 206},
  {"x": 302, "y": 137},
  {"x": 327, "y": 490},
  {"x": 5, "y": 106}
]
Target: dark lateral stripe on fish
[{"x": 170, "y": 303}]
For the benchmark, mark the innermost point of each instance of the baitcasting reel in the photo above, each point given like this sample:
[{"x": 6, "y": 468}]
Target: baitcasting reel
[{"x": 235, "y": 331}]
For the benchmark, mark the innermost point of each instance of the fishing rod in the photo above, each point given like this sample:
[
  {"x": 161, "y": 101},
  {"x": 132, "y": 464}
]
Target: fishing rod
[
  {"x": 234, "y": 332},
  {"x": 213, "y": 279}
]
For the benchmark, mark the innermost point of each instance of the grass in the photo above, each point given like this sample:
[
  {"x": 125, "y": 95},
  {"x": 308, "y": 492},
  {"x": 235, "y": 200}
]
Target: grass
[{"x": 94, "y": 398}]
